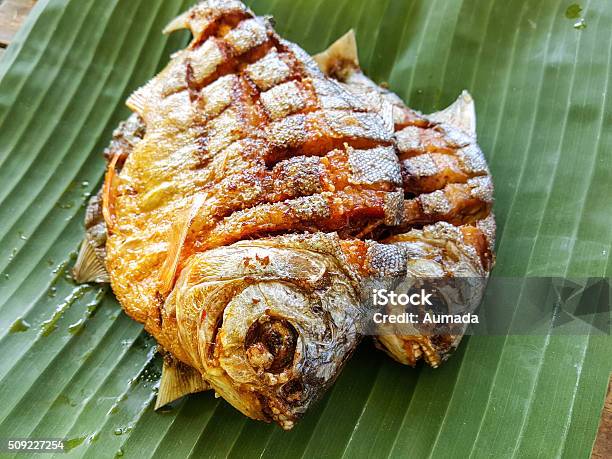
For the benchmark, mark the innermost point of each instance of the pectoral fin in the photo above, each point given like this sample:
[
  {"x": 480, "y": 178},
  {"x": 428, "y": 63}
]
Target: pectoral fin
[
  {"x": 178, "y": 235},
  {"x": 89, "y": 267},
  {"x": 178, "y": 380}
]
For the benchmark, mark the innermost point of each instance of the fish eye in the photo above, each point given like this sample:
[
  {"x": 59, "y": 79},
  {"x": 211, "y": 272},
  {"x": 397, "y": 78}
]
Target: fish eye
[{"x": 270, "y": 344}]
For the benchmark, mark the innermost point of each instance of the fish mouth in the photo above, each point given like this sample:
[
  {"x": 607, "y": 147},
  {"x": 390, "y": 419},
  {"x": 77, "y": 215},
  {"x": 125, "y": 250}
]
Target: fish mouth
[{"x": 270, "y": 346}]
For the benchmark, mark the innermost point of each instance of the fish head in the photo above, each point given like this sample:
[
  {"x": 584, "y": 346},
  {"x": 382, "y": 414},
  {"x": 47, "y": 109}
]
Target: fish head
[{"x": 274, "y": 320}]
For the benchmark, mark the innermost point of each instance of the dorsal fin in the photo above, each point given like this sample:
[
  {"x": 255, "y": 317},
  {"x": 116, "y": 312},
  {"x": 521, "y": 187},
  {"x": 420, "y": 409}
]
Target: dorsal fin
[
  {"x": 178, "y": 23},
  {"x": 460, "y": 114},
  {"x": 341, "y": 58}
]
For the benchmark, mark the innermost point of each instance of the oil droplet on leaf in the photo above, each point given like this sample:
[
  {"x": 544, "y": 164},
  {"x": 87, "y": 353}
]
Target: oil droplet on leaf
[
  {"x": 90, "y": 310},
  {"x": 73, "y": 443},
  {"x": 66, "y": 205},
  {"x": 122, "y": 430},
  {"x": 19, "y": 326},
  {"x": 573, "y": 11},
  {"x": 65, "y": 400},
  {"x": 77, "y": 327},
  {"x": 50, "y": 325},
  {"x": 580, "y": 24}
]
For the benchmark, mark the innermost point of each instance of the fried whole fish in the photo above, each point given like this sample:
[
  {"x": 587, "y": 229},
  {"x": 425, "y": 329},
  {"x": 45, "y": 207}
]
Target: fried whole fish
[
  {"x": 447, "y": 227},
  {"x": 235, "y": 204},
  {"x": 242, "y": 138}
]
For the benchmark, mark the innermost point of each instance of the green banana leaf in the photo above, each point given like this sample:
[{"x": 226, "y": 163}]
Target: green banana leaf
[{"x": 73, "y": 366}]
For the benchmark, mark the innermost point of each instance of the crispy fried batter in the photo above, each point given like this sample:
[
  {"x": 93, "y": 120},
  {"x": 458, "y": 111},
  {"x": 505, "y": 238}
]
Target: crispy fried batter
[
  {"x": 245, "y": 138},
  {"x": 448, "y": 189},
  {"x": 242, "y": 140}
]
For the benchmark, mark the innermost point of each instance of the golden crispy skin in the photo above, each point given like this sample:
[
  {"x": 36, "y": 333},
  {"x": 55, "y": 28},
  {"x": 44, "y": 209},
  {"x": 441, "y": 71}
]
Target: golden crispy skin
[
  {"x": 244, "y": 138},
  {"x": 447, "y": 227}
]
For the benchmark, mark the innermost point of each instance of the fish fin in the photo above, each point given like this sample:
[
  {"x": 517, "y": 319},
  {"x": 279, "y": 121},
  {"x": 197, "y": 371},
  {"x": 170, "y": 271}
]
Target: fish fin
[
  {"x": 167, "y": 272},
  {"x": 108, "y": 195},
  {"x": 409, "y": 349},
  {"x": 399, "y": 349},
  {"x": 178, "y": 380},
  {"x": 89, "y": 267},
  {"x": 461, "y": 114},
  {"x": 178, "y": 235},
  {"x": 200, "y": 17},
  {"x": 341, "y": 58},
  {"x": 178, "y": 23},
  {"x": 138, "y": 99}
]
